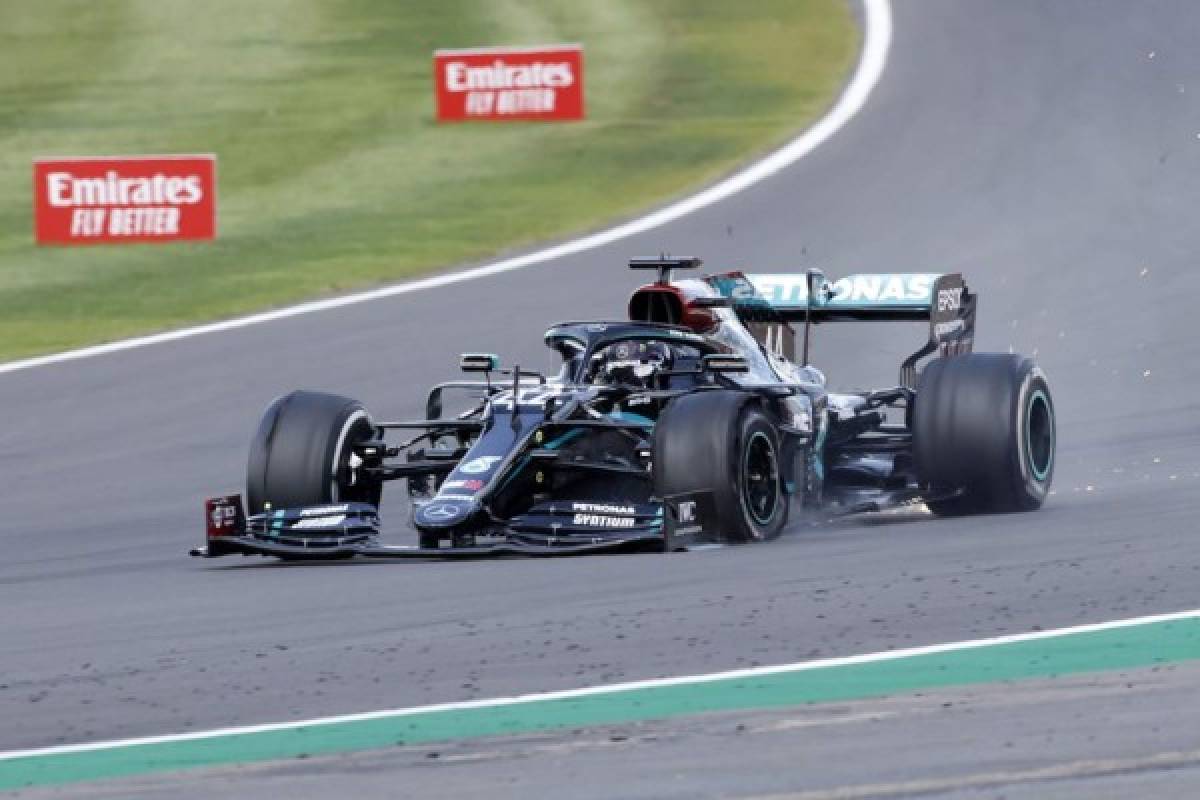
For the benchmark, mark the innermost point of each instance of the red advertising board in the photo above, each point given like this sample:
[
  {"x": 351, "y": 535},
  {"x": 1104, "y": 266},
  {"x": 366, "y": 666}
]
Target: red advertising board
[
  {"x": 124, "y": 199},
  {"x": 530, "y": 83}
]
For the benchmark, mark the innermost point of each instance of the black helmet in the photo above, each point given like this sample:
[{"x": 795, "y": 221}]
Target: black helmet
[{"x": 631, "y": 362}]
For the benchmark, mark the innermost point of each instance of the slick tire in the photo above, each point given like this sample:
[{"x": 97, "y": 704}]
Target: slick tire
[
  {"x": 300, "y": 454},
  {"x": 983, "y": 424},
  {"x": 723, "y": 442}
]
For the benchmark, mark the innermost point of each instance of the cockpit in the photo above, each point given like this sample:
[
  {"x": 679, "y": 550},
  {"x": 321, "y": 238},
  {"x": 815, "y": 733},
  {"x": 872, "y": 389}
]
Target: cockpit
[{"x": 634, "y": 355}]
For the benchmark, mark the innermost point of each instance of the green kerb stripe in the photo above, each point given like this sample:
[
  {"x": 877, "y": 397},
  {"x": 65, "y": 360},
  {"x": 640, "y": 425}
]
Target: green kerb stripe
[{"x": 1120, "y": 648}]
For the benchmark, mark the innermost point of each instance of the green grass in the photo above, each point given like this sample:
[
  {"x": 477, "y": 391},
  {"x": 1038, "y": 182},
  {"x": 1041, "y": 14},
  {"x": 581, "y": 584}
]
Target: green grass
[{"x": 332, "y": 173}]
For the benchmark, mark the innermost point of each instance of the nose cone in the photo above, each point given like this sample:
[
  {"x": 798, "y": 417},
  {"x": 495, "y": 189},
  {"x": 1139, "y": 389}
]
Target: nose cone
[{"x": 443, "y": 512}]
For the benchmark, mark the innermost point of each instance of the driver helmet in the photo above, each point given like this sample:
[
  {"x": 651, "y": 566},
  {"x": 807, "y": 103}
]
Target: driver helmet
[{"x": 633, "y": 363}]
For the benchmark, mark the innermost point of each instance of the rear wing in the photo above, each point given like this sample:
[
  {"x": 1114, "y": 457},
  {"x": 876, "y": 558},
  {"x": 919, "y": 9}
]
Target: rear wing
[
  {"x": 811, "y": 298},
  {"x": 899, "y": 296}
]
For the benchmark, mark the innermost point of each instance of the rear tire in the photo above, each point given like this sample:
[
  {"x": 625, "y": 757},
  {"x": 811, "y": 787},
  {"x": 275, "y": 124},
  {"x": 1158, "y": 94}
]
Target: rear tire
[
  {"x": 300, "y": 454},
  {"x": 983, "y": 424},
  {"x": 722, "y": 441}
]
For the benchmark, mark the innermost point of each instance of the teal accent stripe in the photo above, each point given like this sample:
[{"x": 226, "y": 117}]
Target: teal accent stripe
[
  {"x": 1139, "y": 645},
  {"x": 1040, "y": 474}
]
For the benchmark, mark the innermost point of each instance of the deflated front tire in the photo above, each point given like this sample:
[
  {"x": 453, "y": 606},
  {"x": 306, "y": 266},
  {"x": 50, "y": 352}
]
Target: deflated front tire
[{"x": 301, "y": 453}]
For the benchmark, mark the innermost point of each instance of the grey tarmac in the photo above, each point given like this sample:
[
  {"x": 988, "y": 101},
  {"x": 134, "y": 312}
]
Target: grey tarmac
[
  {"x": 1031, "y": 739},
  {"x": 1048, "y": 150}
]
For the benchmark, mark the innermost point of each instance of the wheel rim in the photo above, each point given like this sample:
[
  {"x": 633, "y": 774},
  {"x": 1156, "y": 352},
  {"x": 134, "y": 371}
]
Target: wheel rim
[
  {"x": 1039, "y": 435},
  {"x": 760, "y": 478},
  {"x": 341, "y": 459}
]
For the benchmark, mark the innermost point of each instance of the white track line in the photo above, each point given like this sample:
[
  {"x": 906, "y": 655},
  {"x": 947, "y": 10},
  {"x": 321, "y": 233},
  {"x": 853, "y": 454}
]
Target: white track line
[
  {"x": 877, "y": 41},
  {"x": 567, "y": 694}
]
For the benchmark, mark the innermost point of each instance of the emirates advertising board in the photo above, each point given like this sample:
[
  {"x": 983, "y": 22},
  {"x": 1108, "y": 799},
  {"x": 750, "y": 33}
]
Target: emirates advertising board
[
  {"x": 497, "y": 83},
  {"x": 115, "y": 199}
]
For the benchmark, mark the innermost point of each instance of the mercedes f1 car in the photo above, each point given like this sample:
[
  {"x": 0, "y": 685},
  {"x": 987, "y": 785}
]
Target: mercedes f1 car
[{"x": 696, "y": 421}]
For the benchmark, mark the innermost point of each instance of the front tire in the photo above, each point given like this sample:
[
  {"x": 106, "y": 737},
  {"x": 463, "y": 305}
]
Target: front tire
[
  {"x": 983, "y": 424},
  {"x": 721, "y": 441},
  {"x": 300, "y": 455}
]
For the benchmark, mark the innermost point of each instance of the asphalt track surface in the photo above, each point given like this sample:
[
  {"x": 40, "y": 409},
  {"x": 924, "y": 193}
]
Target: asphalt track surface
[
  {"x": 1035, "y": 745},
  {"x": 1049, "y": 150}
]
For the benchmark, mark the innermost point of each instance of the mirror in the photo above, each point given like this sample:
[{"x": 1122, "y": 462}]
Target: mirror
[
  {"x": 479, "y": 362},
  {"x": 719, "y": 362}
]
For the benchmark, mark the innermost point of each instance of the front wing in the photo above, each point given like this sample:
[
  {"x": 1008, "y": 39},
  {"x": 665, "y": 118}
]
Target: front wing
[
  {"x": 352, "y": 531},
  {"x": 249, "y": 545}
]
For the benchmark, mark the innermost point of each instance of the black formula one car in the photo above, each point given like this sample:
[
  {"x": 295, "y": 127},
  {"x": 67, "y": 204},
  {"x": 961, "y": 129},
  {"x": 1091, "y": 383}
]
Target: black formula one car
[{"x": 693, "y": 422}]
